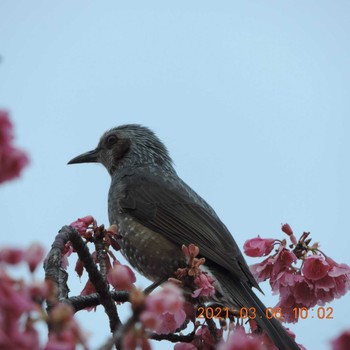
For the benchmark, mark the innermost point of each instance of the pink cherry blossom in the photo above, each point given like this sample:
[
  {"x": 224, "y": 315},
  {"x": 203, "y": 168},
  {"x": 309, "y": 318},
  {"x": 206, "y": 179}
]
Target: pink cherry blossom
[
  {"x": 317, "y": 281},
  {"x": 88, "y": 289},
  {"x": 79, "y": 267},
  {"x": 339, "y": 274},
  {"x": 185, "y": 346},
  {"x": 204, "y": 282},
  {"x": 262, "y": 271},
  {"x": 25, "y": 337},
  {"x": 204, "y": 339},
  {"x": 68, "y": 250},
  {"x": 304, "y": 292},
  {"x": 5, "y": 129},
  {"x": 121, "y": 277},
  {"x": 33, "y": 255},
  {"x": 240, "y": 340},
  {"x": 65, "y": 332},
  {"x": 342, "y": 342},
  {"x": 134, "y": 339},
  {"x": 283, "y": 260},
  {"x": 267, "y": 343},
  {"x": 282, "y": 279},
  {"x": 287, "y": 229},
  {"x": 12, "y": 160},
  {"x": 164, "y": 310},
  {"x": 18, "y": 306},
  {"x": 14, "y": 296},
  {"x": 38, "y": 290},
  {"x": 191, "y": 251},
  {"x": 258, "y": 246},
  {"x": 315, "y": 267},
  {"x": 82, "y": 224},
  {"x": 272, "y": 266},
  {"x": 320, "y": 281},
  {"x": 11, "y": 256}
]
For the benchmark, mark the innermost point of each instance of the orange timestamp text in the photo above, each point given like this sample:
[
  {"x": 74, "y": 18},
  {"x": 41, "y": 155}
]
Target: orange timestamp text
[{"x": 319, "y": 312}]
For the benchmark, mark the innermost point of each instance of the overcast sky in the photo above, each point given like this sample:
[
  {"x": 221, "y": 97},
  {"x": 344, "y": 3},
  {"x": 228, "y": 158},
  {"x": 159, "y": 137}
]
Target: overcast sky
[{"x": 252, "y": 98}]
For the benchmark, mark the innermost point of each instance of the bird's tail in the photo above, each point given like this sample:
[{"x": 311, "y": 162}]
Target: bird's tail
[{"x": 243, "y": 296}]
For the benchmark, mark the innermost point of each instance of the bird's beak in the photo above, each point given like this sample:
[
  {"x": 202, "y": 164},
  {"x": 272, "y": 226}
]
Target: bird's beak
[{"x": 88, "y": 157}]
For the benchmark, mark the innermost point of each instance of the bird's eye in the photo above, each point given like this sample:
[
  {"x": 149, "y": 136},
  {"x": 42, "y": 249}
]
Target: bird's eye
[{"x": 111, "y": 140}]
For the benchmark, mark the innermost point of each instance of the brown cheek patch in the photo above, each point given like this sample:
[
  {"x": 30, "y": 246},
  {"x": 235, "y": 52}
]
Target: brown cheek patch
[{"x": 122, "y": 148}]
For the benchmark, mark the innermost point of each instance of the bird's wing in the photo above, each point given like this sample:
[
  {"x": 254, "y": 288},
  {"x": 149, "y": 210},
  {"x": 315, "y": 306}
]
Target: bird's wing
[{"x": 174, "y": 213}]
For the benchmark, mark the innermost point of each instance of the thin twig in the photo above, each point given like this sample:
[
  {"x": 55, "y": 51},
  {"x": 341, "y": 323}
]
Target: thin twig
[
  {"x": 84, "y": 301},
  {"x": 174, "y": 338}
]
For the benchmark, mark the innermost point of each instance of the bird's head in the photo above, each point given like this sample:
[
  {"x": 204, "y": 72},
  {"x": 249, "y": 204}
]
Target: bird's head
[{"x": 127, "y": 145}]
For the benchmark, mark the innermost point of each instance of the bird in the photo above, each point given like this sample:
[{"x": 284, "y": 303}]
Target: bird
[{"x": 157, "y": 212}]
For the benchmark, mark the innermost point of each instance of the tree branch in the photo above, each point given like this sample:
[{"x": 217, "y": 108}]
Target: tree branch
[
  {"x": 55, "y": 273},
  {"x": 174, "y": 338},
  {"x": 83, "y": 301}
]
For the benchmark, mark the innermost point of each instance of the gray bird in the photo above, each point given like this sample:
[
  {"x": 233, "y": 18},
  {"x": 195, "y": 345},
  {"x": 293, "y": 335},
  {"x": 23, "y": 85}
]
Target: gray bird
[{"x": 156, "y": 213}]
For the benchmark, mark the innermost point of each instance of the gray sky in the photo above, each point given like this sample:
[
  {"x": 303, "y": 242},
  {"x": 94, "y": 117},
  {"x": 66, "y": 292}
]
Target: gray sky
[{"x": 251, "y": 98}]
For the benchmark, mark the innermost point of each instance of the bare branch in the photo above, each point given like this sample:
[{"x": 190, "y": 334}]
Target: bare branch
[{"x": 83, "y": 301}]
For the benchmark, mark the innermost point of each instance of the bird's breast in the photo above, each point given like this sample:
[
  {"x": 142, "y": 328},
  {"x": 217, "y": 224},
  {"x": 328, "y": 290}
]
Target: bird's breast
[{"x": 153, "y": 255}]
